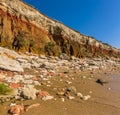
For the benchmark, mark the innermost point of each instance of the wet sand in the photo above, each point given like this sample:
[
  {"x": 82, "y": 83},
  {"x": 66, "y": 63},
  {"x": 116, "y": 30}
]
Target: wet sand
[{"x": 105, "y": 100}]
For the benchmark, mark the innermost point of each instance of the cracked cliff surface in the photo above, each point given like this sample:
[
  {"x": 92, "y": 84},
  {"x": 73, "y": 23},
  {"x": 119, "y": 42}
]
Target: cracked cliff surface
[{"x": 23, "y": 28}]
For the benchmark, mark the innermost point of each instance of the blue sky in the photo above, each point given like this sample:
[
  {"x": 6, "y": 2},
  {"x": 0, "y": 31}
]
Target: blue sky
[{"x": 97, "y": 18}]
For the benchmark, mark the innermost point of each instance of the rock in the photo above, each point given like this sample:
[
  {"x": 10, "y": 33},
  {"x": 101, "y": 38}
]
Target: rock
[
  {"x": 28, "y": 76},
  {"x": 60, "y": 93},
  {"x": 43, "y": 83},
  {"x": 28, "y": 92},
  {"x": 72, "y": 89},
  {"x": 83, "y": 77},
  {"x": 2, "y": 76},
  {"x": 15, "y": 79},
  {"x": 101, "y": 82},
  {"x": 12, "y": 104},
  {"x": 32, "y": 106},
  {"x": 71, "y": 97},
  {"x": 16, "y": 109},
  {"x": 42, "y": 94},
  {"x": 90, "y": 92},
  {"x": 47, "y": 98},
  {"x": 86, "y": 97},
  {"x": 29, "y": 81},
  {"x": 64, "y": 56},
  {"x": 79, "y": 94},
  {"x": 63, "y": 100},
  {"x": 68, "y": 82},
  {"x": 10, "y": 64},
  {"x": 109, "y": 88},
  {"x": 36, "y": 83},
  {"x": 15, "y": 85},
  {"x": 17, "y": 97}
]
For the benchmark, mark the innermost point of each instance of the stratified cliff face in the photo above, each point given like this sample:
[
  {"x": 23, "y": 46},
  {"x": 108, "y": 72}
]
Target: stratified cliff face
[{"x": 23, "y": 28}]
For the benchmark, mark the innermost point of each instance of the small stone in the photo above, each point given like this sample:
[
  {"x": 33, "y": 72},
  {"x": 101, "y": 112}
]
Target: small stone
[
  {"x": 17, "y": 97},
  {"x": 72, "y": 89},
  {"x": 68, "y": 82},
  {"x": 42, "y": 94},
  {"x": 79, "y": 94},
  {"x": 71, "y": 97},
  {"x": 36, "y": 83},
  {"x": 15, "y": 85},
  {"x": 12, "y": 104},
  {"x": 60, "y": 93},
  {"x": 16, "y": 109},
  {"x": 90, "y": 92},
  {"x": 48, "y": 85},
  {"x": 101, "y": 82},
  {"x": 83, "y": 77},
  {"x": 63, "y": 100},
  {"x": 43, "y": 83},
  {"x": 109, "y": 88},
  {"x": 47, "y": 98},
  {"x": 86, "y": 97}
]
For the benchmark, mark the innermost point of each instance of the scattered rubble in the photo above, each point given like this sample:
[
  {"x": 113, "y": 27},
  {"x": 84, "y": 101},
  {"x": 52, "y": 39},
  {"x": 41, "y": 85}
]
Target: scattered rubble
[{"x": 27, "y": 73}]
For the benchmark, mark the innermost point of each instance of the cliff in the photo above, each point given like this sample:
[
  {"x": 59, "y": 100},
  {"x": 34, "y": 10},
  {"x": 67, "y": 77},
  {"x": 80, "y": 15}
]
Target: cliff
[{"x": 23, "y": 28}]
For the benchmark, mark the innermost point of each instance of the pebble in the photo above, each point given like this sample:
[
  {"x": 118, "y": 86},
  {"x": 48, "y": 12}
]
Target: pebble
[
  {"x": 86, "y": 97},
  {"x": 71, "y": 97},
  {"x": 68, "y": 82},
  {"x": 48, "y": 97},
  {"x": 109, "y": 88},
  {"x": 63, "y": 100},
  {"x": 79, "y": 94},
  {"x": 72, "y": 89}
]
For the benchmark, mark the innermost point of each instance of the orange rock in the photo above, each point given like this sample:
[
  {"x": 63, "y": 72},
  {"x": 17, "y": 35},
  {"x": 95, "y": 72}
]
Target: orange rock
[
  {"x": 42, "y": 94},
  {"x": 35, "y": 78},
  {"x": 51, "y": 73},
  {"x": 17, "y": 109},
  {"x": 32, "y": 106},
  {"x": 15, "y": 85},
  {"x": 1, "y": 80}
]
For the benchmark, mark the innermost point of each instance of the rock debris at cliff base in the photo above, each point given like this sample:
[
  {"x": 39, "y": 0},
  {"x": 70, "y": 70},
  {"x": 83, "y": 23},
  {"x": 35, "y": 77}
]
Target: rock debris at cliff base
[{"x": 51, "y": 78}]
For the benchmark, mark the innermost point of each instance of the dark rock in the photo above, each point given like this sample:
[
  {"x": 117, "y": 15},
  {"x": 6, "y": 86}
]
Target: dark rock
[{"x": 101, "y": 82}]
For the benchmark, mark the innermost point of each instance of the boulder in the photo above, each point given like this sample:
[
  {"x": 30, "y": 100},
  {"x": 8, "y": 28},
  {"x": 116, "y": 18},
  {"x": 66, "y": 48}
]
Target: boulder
[
  {"x": 10, "y": 64},
  {"x": 28, "y": 92}
]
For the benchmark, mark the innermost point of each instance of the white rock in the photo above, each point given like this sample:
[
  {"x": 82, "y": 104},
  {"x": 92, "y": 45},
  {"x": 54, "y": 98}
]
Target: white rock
[
  {"x": 109, "y": 88},
  {"x": 90, "y": 92},
  {"x": 29, "y": 92},
  {"x": 10, "y": 64},
  {"x": 79, "y": 94},
  {"x": 71, "y": 97},
  {"x": 83, "y": 77},
  {"x": 63, "y": 100},
  {"x": 68, "y": 82},
  {"x": 47, "y": 98},
  {"x": 36, "y": 83},
  {"x": 28, "y": 81},
  {"x": 86, "y": 97},
  {"x": 12, "y": 104}
]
